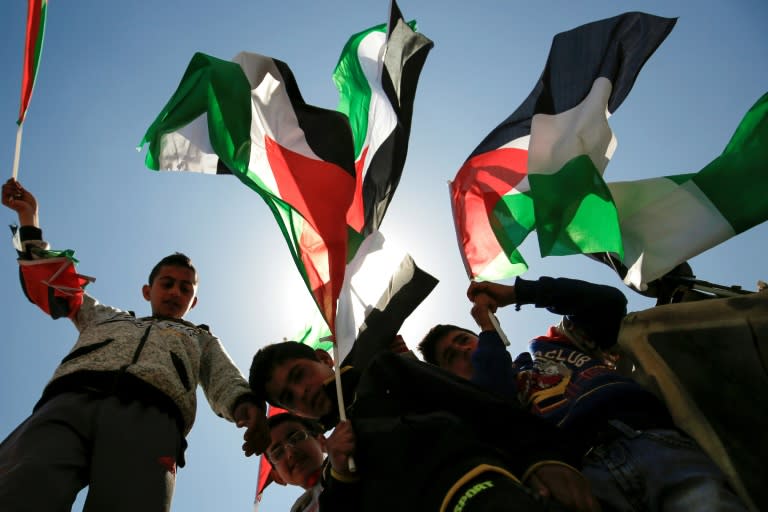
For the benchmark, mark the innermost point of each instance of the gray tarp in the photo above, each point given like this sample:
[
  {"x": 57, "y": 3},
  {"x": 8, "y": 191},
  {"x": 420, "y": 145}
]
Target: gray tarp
[{"x": 708, "y": 360}]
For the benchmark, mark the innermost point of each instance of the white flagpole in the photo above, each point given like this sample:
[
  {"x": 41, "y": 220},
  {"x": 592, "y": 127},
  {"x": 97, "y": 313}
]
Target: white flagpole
[
  {"x": 340, "y": 398},
  {"x": 497, "y": 326},
  {"x": 17, "y": 152}
]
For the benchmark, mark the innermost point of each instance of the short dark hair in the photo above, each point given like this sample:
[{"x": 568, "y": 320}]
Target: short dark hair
[
  {"x": 268, "y": 357},
  {"x": 176, "y": 259},
  {"x": 311, "y": 426},
  {"x": 428, "y": 345}
]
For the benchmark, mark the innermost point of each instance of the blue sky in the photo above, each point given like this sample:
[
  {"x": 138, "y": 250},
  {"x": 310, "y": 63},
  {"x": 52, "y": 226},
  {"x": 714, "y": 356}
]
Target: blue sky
[{"x": 109, "y": 67}]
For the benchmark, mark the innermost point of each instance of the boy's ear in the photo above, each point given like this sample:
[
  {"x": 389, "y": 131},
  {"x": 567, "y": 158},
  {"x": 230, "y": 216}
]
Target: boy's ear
[
  {"x": 194, "y": 302},
  {"x": 145, "y": 292},
  {"x": 322, "y": 441},
  {"x": 324, "y": 357}
]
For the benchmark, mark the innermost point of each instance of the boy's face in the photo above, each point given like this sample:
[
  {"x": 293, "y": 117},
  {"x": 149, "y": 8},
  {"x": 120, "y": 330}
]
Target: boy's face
[
  {"x": 453, "y": 352},
  {"x": 298, "y": 385},
  {"x": 295, "y": 461},
  {"x": 173, "y": 292}
]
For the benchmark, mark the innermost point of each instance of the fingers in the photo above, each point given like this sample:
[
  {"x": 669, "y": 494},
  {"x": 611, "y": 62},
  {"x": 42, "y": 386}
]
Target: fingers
[
  {"x": 566, "y": 485},
  {"x": 538, "y": 486},
  {"x": 256, "y": 441},
  {"x": 398, "y": 345},
  {"x": 257, "y": 436},
  {"x": 11, "y": 190},
  {"x": 341, "y": 446},
  {"x": 474, "y": 289},
  {"x": 485, "y": 301}
]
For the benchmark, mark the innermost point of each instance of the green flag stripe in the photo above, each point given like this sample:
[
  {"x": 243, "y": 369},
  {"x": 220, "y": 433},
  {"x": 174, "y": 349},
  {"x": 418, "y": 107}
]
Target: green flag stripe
[
  {"x": 586, "y": 221},
  {"x": 511, "y": 220},
  {"x": 219, "y": 89},
  {"x": 732, "y": 181},
  {"x": 354, "y": 89}
]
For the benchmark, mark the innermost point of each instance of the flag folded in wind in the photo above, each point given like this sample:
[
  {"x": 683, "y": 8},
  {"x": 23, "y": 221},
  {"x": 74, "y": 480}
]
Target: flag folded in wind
[
  {"x": 667, "y": 220},
  {"x": 376, "y": 76},
  {"x": 542, "y": 167},
  {"x": 382, "y": 287},
  {"x": 248, "y": 117}
]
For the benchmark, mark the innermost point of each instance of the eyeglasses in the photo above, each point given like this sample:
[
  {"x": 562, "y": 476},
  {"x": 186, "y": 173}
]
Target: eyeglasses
[{"x": 277, "y": 453}]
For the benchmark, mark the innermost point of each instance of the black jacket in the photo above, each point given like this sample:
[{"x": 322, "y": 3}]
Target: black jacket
[{"x": 419, "y": 430}]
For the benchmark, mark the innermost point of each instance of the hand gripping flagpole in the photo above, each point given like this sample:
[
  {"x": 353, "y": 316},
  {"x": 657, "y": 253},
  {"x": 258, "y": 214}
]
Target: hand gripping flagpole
[
  {"x": 340, "y": 396},
  {"x": 491, "y": 315}
]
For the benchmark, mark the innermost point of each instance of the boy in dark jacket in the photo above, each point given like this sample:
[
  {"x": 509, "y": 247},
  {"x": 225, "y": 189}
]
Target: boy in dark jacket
[
  {"x": 423, "y": 438},
  {"x": 116, "y": 412},
  {"x": 635, "y": 457}
]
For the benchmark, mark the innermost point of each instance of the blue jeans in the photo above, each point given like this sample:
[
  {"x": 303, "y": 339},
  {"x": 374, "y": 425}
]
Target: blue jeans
[{"x": 657, "y": 470}]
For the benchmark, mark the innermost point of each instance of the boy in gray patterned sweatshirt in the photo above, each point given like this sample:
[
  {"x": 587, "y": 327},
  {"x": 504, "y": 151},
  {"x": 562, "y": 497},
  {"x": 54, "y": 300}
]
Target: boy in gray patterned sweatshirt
[{"x": 116, "y": 412}]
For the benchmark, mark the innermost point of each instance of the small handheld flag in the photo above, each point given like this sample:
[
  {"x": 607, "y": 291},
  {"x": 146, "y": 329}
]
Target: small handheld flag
[{"x": 33, "y": 46}]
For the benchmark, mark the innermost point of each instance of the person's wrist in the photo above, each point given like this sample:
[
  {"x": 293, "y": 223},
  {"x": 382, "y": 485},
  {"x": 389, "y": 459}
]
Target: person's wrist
[{"x": 28, "y": 219}]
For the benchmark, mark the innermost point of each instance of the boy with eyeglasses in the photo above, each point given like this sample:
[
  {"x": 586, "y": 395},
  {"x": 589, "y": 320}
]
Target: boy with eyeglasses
[
  {"x": 422, "y": 439},
  {"x": 297, "y": 455}
]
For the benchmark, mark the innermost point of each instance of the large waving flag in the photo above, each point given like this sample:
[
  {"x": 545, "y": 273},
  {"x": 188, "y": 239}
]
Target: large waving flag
[
  {"x": 542, "y": 167},
  {"x": 248, "y": 117},
  {"x": 667, "y": 220},
  {"x": 376, "y": 76}
]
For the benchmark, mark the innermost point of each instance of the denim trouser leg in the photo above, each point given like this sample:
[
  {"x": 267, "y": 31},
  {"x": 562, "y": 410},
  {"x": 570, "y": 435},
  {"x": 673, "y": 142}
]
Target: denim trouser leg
[{"x": 657, "y": 470}]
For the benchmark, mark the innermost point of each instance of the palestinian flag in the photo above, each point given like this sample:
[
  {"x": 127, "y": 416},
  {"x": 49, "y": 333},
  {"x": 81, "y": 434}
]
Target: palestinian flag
[
  {"x": 559, "y": 139},
  {"x": 376, "y": 76},
  {"x": 247, "y": 117},
  {"x": 382, "y": 287},
  {"x": 382, "y": 279},
  {"x": 667, "y": 220},
  {"x": 33, "y": 47}
]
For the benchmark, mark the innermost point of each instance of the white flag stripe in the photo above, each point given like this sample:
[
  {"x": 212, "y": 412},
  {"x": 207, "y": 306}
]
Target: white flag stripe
[
  {"x": 632, "y": 196},
  {"x": 521, "y": 187},
  {"x": 372, "y": 63},
  {"x": 668, "y": 232},
  {"x": 272, "y": 115},
  {"x": 366, "y": 280},
  {"x": 189, "y": 149},
  {"x": 518, "y": 143},
  {"x": 582, "y": 130}
]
